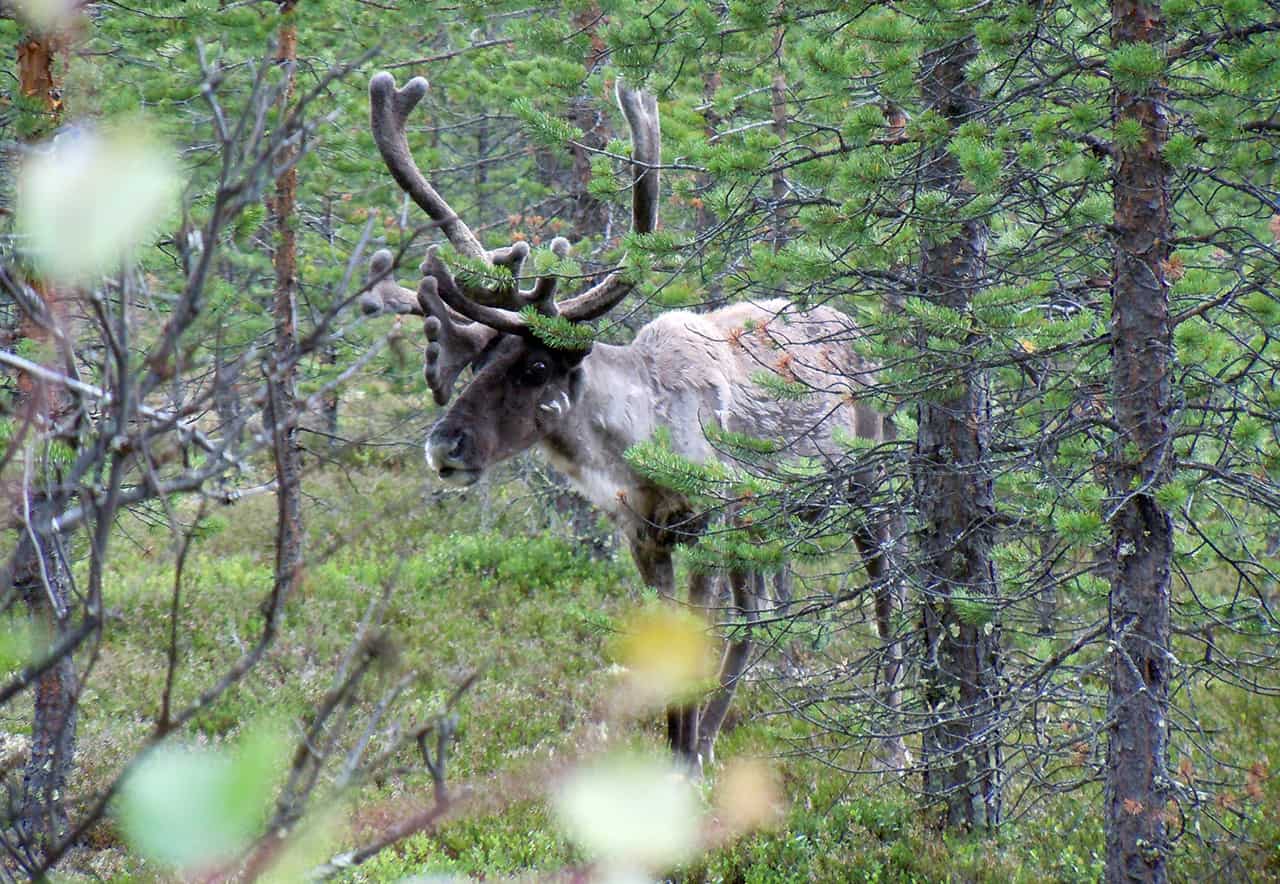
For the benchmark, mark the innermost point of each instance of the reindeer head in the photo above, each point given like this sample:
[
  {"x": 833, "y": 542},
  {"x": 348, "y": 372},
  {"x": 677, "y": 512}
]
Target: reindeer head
[{"x": 521, "y": 387}]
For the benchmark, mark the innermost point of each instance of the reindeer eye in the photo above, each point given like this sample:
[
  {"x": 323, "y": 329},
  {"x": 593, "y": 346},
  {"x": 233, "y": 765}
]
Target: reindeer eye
[{"x": 536, "y": 373}]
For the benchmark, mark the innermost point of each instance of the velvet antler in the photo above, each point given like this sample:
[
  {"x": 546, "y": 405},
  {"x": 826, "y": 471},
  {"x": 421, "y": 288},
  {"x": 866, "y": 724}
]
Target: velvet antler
[{"x": 498, "y": 306}]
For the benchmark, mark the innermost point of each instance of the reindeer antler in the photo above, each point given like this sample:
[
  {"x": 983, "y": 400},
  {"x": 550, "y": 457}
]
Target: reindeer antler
[
  {"x": 448, "y": 302},
  {"x": 451, "y": 345},
  {"x": 385, "y": 295},
  {"x": 452, "y": 340},
  {"x": 389, "y": 110},
  {"x": 641, "y": 111}
]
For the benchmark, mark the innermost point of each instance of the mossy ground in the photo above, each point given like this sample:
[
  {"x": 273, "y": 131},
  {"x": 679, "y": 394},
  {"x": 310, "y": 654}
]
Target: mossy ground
[{"x": 470, "y": 589}]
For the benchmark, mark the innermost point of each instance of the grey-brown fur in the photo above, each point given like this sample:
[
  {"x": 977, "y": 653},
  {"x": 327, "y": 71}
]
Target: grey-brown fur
[{"x": 686, "y": 370}]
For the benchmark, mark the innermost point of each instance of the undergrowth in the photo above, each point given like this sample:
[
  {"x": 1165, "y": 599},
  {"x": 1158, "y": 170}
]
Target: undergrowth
[{"x": 533, "y": 615}]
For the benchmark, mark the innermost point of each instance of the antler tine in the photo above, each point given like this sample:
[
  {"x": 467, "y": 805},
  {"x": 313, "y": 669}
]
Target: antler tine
[
  {"x": 512, "y": 257},
  {"x": 543, "y": 294},
  {"x": 597, "y": 300},
  {"x": 389, "y": 109},
  {"x": 641, "y": 111},
  {"x": 496, "y": 318},
  {"x": 505, "y": 295},
  {"x": 385, "y": 295},
  {"x": 452, "y": 341}
]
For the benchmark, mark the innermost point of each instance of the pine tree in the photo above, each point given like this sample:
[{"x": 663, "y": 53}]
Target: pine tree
[
  {"x": 280, "y": 413},
  {"x": 39, "y": 571},
  {"x": 953, "y": 482}
]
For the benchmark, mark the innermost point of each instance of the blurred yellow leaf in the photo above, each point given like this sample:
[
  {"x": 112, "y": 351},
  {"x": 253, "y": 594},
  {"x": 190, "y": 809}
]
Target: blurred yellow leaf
[{"x": 666, "y": 652}]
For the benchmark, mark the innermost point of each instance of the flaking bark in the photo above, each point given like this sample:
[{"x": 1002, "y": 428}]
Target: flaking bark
[
  {"x": 589, "y": 215},
  {"x": 778, "y": 106}
]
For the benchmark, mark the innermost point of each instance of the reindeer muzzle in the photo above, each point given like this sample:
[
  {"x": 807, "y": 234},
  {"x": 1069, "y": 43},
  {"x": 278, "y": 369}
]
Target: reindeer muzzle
[{"x": 449, "y": 454}]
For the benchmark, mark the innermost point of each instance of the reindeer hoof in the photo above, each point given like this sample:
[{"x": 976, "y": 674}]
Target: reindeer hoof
[
  {"x": 706, "y": 754},
  {"x": 693, "y": 768}
]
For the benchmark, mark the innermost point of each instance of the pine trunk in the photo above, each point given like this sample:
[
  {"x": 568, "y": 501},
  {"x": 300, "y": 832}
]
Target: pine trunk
[
  {"x": 954, "y": 493},
  {"x": 778, "y": 106},
  {"x": 1141, "y": 529},
  {"x": 282, "y": 409},
  {"x": 704, "y": 219},
  {"x": 40, "y": 578},
  {"x": 590, "y": 215},
  {"x": 39, "y": 574}
]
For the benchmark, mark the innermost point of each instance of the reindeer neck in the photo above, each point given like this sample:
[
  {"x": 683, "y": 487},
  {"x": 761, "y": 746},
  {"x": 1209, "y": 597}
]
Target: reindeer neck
[{"x": 613, "y": 412}]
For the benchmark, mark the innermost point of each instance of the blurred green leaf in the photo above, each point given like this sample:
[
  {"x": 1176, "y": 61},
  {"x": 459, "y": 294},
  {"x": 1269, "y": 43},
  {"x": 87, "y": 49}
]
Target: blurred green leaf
[
  {"x": 91, "y": 197},
  {"x": 189, "y": 806}
]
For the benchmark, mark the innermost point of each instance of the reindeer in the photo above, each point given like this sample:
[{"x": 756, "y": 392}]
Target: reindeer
[{"x": 584, "y": 408}]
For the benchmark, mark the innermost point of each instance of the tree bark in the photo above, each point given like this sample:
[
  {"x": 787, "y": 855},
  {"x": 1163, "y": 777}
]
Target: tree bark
[
  {"x": 954, "y": 493},
  {"x": 704, "y": 219},
  {"x": 778, "y": 107},
  {"x": 329, "y": 356},
  {"x": 40, "y": 578},
  {"x": 281, "y": 411},
  {"x": 39, "y": 571},
  {"x": 1141, "y": 529},
  {"x": 590, "y": 215}
]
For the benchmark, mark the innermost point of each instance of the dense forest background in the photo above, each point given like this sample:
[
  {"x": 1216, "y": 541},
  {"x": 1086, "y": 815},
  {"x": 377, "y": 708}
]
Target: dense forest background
[{"x": 247, "y": 634}]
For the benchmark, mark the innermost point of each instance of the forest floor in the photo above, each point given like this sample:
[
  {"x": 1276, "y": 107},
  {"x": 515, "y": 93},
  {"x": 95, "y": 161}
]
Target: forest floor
[{"x": 469, "y": 591}]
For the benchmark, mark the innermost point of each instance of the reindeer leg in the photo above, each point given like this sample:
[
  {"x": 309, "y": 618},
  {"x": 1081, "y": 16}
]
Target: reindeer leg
[
  {"x": 872, "y": 541},
  {"x": 654, "y": 562},
  {"x": 747, "y": 590},
  {"x": 702, "y": 592}
]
